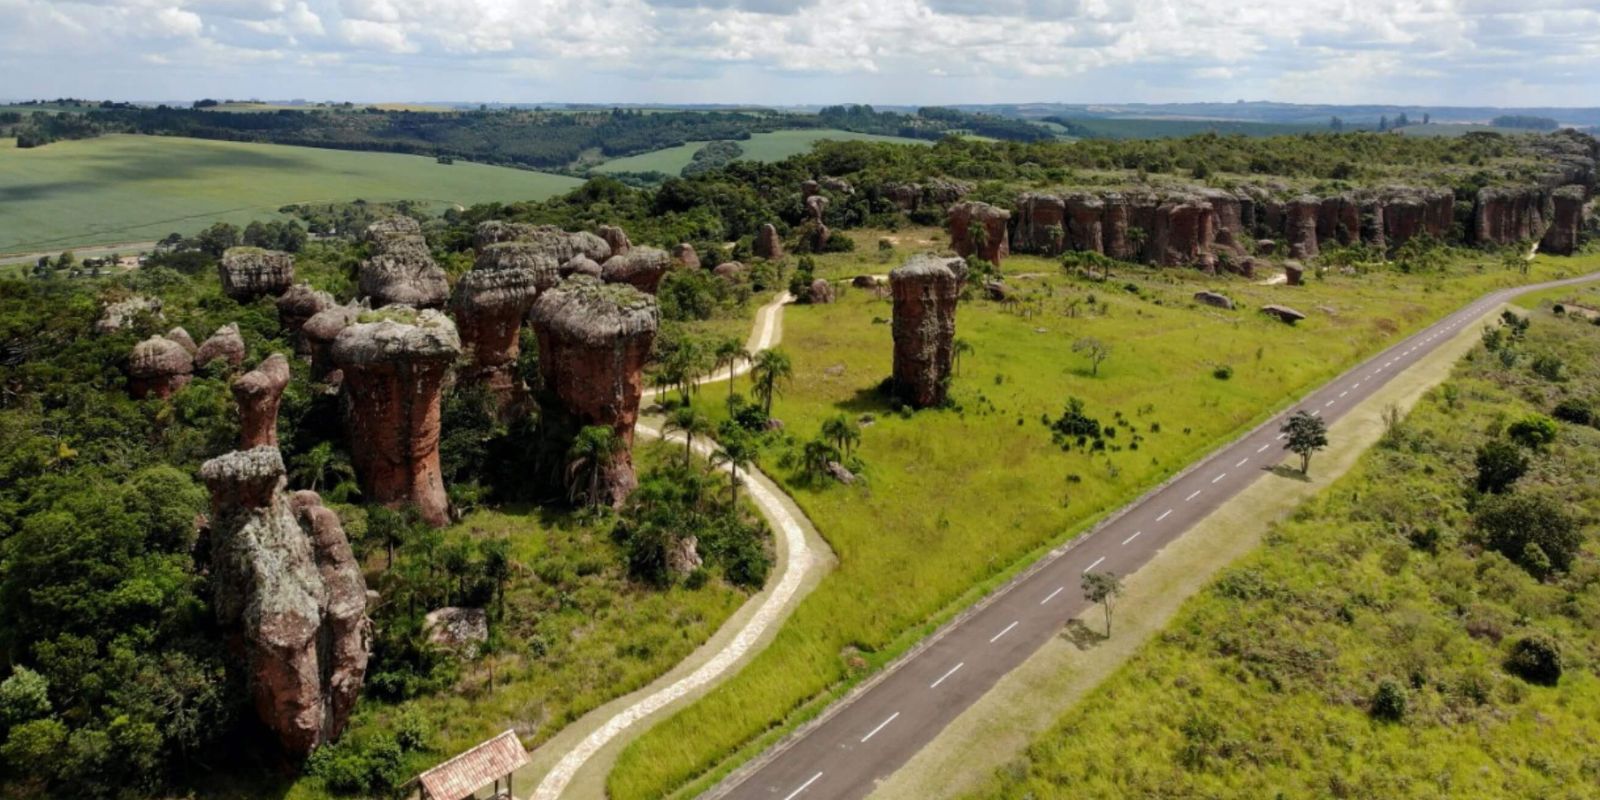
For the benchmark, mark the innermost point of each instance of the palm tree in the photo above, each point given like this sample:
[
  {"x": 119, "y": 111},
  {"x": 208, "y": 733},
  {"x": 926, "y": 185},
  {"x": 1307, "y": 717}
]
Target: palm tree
[
  {"x": 771, "y": 368},
  {"x": 729, "y": 353},
  {"x": 737, "y": 453},
  {"x": 590, "y": 455},
  {"x": 320, "y": 464},
  {"x": 690, "y": 423},
  {"x": 842, "y": 432},
  {"x": 816, "y": 456},
  {"x": 958, "y": 348}
]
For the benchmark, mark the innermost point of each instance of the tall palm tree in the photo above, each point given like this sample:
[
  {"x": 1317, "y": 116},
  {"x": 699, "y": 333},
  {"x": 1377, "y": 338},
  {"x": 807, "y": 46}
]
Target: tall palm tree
[
  {"x": 689, "y": 422},
  {"x": 736, "y": 453},
  {"x": 842, "y": 432},
  {"x": 590, "y": 455},
  {"x": 772, "y": 367},
  {"x": 959, "y": 348},
  {"x": 816, "y": 456},
  {"x": 729, "y": 353}
]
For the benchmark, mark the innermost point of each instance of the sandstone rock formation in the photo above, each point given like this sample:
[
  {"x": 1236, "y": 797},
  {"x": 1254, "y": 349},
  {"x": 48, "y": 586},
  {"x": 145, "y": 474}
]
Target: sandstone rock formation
[
  {"x": 226, "y": 344},
  {"x": 158, "y": 367},
  {"x": 1566, "y": 221},
  {"x": 1294, "y": 274},
  {"x": 593, "y": 341},
  {"x": 182, "y": 337},
  {"x": 1302, "y": 226},
  {"x": 401, "y": 271},
  {"x": 820, "y": 292},
  {"x": 997, "y": 291},
  {"x": 122, "y": 314},
  {"x": 640, "y": 267},
  {"x": 1283, "y": 313},
  {"x": 685, "y": 257},
  {"x": 767, "y": 244},
  {"x": 298, "y": 305},
  {"x": 615, "y": 238},
  {"x": 816, "y": 231},
  {"x": 541, "y": 267},
  {"x": 489, "y": 305},
  {"x": 394, "y": 367},
  {"x": 290, "y": 597},
  {"x": 683, "y": 555},
  {"x": 1506, "y": 215},
  {"x": 1214, "y": 299},
  {"x": 933, "y": 195},
  {"x": 250, "y": 272},
  {"x": 547, "y": 240},
  {"x": 965, "y": 220},
  {"x": 730, "y": 271},
  {"x": 258, "y": 393},
  {"x": 580, "y": 265},
  {"x": 319, "y": 333},
  {"x": 925, "y": 291}
]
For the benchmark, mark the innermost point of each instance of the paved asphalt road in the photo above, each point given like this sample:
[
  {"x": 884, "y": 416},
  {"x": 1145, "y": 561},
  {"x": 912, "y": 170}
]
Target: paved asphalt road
[{"x": 878, "y": 730}]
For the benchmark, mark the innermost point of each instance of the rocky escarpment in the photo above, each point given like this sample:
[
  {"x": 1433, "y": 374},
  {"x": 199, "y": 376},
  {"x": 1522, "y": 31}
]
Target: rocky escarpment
[
  {"x": 394, "y": 363},
  {"x": 296, "y": 307},
  {"x": 1566, "y": 221},
  {"x": 979, "y": 229},
  {"x": 158, "y": 367},
  {"x": 401, "y": 270},
  {"x": 250, "y": 272},
  {"x": 594, "y": 339},
  {"x": 489, "y": 305},
  {"x": 257, "y": 394},
  {"x": 289, "y": 596},
  {"x": 935, "y": 194},
  {"x": 925, "y": 291}
]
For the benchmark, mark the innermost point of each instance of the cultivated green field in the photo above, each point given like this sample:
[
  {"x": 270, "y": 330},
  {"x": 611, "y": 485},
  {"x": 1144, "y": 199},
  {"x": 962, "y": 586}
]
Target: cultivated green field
[
  {"x": 1267, "y": 684},
  {"x": 774, "y": 146},
  {"x": 956, "y": 500},
  {"x": 140, "y": 188}
]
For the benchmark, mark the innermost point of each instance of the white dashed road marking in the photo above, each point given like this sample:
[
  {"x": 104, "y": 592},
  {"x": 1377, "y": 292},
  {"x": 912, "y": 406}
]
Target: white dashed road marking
[
  {"x": 952, "y": 671},
  {"x": 1218, "y": 478},
  {"x": 1263, "y": 448},
  {"x": 803, "y": 787},
  {"x": 1192, "y": 496},
  {"x": 1242, "y": 461},
  {"x": 881, "y": 726},
  {"x": 1090, "y": 567},
  {"x": 1002, "y": 633},
  {"x": 1131, "y": 538},
  {"x": 1163, "y": 515},
  {"x": 1052, "y": 595}
]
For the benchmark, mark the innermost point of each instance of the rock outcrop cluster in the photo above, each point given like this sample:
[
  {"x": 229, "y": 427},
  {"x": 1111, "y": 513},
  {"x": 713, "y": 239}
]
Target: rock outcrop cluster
[
  {"x": 158, "y": 367},
  {"x": 290, "y": 597},
  {"x": 401, "y": 270},
  {"x": 925, "y": 290},
  {"x": 1566, "y": 221},
  {"x": 394, "y": 365},
  {"x": 594, "y": 339},
  {"x": 250, "y": 272},
  {"x": 547, "y": 240},
  {"x": 935, "y": 194},
  {"x": 298, "y": 305},
  {"x": 258, "y": 393},
  {"x": 615, "y": 238},
  {"x": 979, "y": 229}
]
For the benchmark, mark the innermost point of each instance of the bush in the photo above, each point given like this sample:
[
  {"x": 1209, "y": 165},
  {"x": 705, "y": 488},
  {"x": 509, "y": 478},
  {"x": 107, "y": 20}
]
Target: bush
[
  {"x": 370, "y": 767},
  {"x": 1533, "y": 431},
  {"x": 1511, "y": 522},
  {"x": 1222, "y": 372},
  {"x": 1389, "y": 701},
  {"x": 1575, "y": 411},
  {"x": 1500, "y": 464},
  {"x": 24, "y": 696},
  {"x": 1535, "y": 659}
]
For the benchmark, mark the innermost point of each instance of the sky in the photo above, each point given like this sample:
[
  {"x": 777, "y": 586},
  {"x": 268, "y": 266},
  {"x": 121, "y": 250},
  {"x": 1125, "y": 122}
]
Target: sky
[{"x": 772, "y": 52}]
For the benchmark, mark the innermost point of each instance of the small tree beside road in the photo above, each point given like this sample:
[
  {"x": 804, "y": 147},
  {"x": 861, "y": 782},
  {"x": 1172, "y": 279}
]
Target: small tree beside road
[
  {"x": 1307, "y": 434},
  {"x": 1102, "y": 588}
]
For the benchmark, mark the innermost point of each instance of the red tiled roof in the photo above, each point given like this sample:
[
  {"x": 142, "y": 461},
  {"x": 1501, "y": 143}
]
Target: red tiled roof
[{"x": 476, "y": 768}]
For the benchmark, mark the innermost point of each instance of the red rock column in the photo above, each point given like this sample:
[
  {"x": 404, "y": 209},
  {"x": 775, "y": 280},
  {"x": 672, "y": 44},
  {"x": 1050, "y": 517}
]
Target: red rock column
[
  {"x": 767, "y": 244},
  {"x": 1301, "y": 226},
  {"x": 1566, "y": 221},
  {"x": 296, "y": 307},
  {"x": 1085, "y": 227},
  {"x": 593, "y": 341},
  {"x": 925, "y": 290},
  {"x": 489, "y": 306},
  {"x": 393, "y": 371},
  {"x": 320, "y": 332},
  {"x": 250, "y": 272},
  {"x": 961, "y": 219},
  {"x": 158, "y": 367},
  {"x": 1041, "y": 224},
  {"x": 258, "y": 393}
]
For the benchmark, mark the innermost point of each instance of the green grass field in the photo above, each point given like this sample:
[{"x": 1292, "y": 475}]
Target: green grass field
[
  {"x": 140, "y": 188},
  {"x": 956, "y": 500},
  {"x": 1131, "y": 128},
  {"x": 773, "y": 146},
  {"x": 1265, "y": 684}
]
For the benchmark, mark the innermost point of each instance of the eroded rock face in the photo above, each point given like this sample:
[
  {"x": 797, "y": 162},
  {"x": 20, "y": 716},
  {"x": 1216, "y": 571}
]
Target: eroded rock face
[
  {"x": 296, "y": 307},
  {"x": 820, "y": 292},
  {"x": 1041, "y": 224},
  {"x": 965, "y": 219},
  {"x": 226, "y": 344},
  {"x": 122, "y": 314},
  {"x": 1183, "y": 231},
  {"x": 258, "y": 393},
  {"x": 593, "y": 341},
  {"x": 685, "y": 256},
  {"x": 182, "y": 337},
  {"x": 730, "y": 271},
  {"x": 1505, "y": 216},
  {"x": 547, "y": 240},
  {"x": 641, "y": 267},
  {"x": 1294, "y": 273},
  {"x": 615, "y": 238},
  {"x": 401, "y": 271},
  {"x": 1566, "y": 221},
  {"x": 319, "y": 333},
  {"x": 925, "y": 291},
  {"x": 937, "y": 193},
  {"x": 683, "y": 557},
  {"x": 580, "y": 265},
  {"x": 250, "y": 272},
  {"x": 1301, "y": 226},
  {"x": 290, "y": 597},
  {"x": 394, "y": 367},
  {"x": 158, "y": 367},
  {"x": 767, "y": 244},
  {"x": 489, "y": 305}
]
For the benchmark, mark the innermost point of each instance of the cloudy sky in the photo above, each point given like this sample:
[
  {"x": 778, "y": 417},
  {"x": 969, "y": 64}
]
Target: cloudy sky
[{"x": 1435, "y": 52}]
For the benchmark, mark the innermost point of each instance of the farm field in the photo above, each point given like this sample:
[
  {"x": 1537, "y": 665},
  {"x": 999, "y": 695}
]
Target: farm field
[
  {"x": 139, "y": 188},
  {"x": 954, "y": 501},
  {"x": 1271, "y": 681},
  {"x": 773, "y": 146}
]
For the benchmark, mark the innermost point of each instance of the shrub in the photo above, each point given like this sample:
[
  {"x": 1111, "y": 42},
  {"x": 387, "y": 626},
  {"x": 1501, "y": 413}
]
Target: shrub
[
  {"x": 1511, "y": 522},
  {"x": 1536, "y": 659},
  {"x": 1222, "y": 372},
  {"x": 1500, "y": 464},
  {"x": 1533, "y": 431},
  {"x": 24, "y": 696},
  {"x": 1389, "y": 701},
  {"x": 1549, "y": 367},
  {"x": 1575, "y": 411}
]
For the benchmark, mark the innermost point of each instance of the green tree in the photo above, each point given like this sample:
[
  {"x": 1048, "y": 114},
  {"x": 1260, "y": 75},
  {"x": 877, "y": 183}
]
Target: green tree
[
  {"x": 1093, "y": 349},
  {"x": 736, "y": 453},
  {"x": 24, "y": 696},
  {"x": 1510, "y": 523},
  {"x": 1102, "y": 588},
  {"x": 958, "y": 348},
  {"x": 320, "y": 466},
  {"x": 842, "y": 431},
  {"x": 1389, "y": 701},
  {"x": 1533, "y": 431},
  {"x": 1536, "y": 659},
  {"x": 496, "y": 554},
  {"x": 391, "y": 529},
  {"x": 1307, "y": 434},
  {"x": 592, "y": 453},
  {"x": 772, "y": 369},
  {"x": 815, "y": 457},
  {"x": 729, "y": 353},
  {"x": 691, "y": 423},
  {"x": 1499, "y": 464}
]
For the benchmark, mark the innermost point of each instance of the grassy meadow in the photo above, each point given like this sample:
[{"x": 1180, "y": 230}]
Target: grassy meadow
[
  {"x": 773, "y": 146},
  {"x": 140, "y": 188},
  {"x": 956, "y": 500},
  {"x": 1266, "y": 684}
]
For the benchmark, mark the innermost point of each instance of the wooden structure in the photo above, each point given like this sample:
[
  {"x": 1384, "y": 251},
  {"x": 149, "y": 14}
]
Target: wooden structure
[{"x": 488, "y": 763}]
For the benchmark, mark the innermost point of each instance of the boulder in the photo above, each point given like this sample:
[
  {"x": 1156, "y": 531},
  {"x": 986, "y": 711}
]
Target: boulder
[
  {"x": 1294, "y": 273},
  {"x": 684, "y": 256},
  {"x": 767, "y": 243},
  {"x": 319, "y": 334},
  {"x": 226, "y": 344},
  {"x": 580, "y": 265},
  {"x": 257, "y": 394},
  {"x": 997, "y": 290},
  {"x": 1266, "y": 247},
  {"x": 182, "y": 337},
  {"x": 730, "y": 271},
  {"x": 250, "y": 272},
  {"x": 809, "y": 188},
  {"x": 839, "y": 185},
  {"x": 1283, "y": 313},
  {"x": 1566, "y": 221},
  {"x": 839, "y": 473},
  {"x": 683, "y": 555},
  {"x": 394, "y": 363},
  {"x": 964, "y": 220},
  {"x": 158, "y": 367},
  {"x": 925, "y": 290},
  {"x": 820, "y": 292},
  {"x": 1214, "y": 299},
  {"x": 594, "y": 339},
  {"x": 1244, "y": 267},
  {"x": 404, "y": 275},
  {"x": 864, "y": 281},
  {"x": 122, "y": 314},
  {"x": 289, "y": 596},
  {"x": 616, "y": 239},
  {"x": 463, "y": 630},
  {"x": 641, "y": 267},
  {"x": 298, "y": 305}
]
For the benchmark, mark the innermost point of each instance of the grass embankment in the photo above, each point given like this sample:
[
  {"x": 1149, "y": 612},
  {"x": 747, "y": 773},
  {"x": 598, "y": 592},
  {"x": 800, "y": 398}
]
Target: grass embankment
[
  {"x": 1266, "y": 684},
  {"x": 956, "y": 500},
  {"x": 772, "y": 146},
  {"x": 140, "y": 188}
]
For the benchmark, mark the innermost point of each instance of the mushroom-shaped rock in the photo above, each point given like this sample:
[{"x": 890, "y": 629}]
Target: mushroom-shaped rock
[
  {"x": 979, "y": 229},
  {"x": 182, "y": 337},
  {"x": 816, "y": 206},
  {"x": 616, "y": 238},
  {"x": 290, "y": 597},
  {"x": 685, "y": 257},
  {"x": 641, "y": 267},
  {"x": 489, "y": 306},
  {"x": 122, "y": 314},
  {"x": 320, "y": 332},
  {"x": 1215, "y": 299},
  {"x": 404, "y": 276},
  {"x": 1283, "y": 313},
  {"x": 250, "y": 272},
  {"x": 593, "y": 341},
  {"x": 226, "y": 344},
  {"x": 394, "y": 362},
  {"x": 1294, "y": 273},
  {"x": 495, "y": 230},
  {"x": 580, "y": 265},
  {"x": 386, "y": 231},
  {"x": 730, "y": 271},
  {"x": 997, "y": 290},
  {"x": 296, "y": 307},
  {"x": 768, "y": 244},
  {"x": 157, "y": 367},
  {"x": 925, "y": 291},
  {"x": 258, "y": 393},
  {"x": 544, "y": 269},
  {"x": 809, "y": 187}
]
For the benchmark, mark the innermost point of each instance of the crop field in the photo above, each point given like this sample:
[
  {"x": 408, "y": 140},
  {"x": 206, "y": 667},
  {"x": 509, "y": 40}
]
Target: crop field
[
  {"x": 1130, "y": 128},
  {"x": 1271, "y": 681},
  {"x": 137, "y": 188},
  {"x": 956, "y": 500},
  {"x": 773, "y": 146}
]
